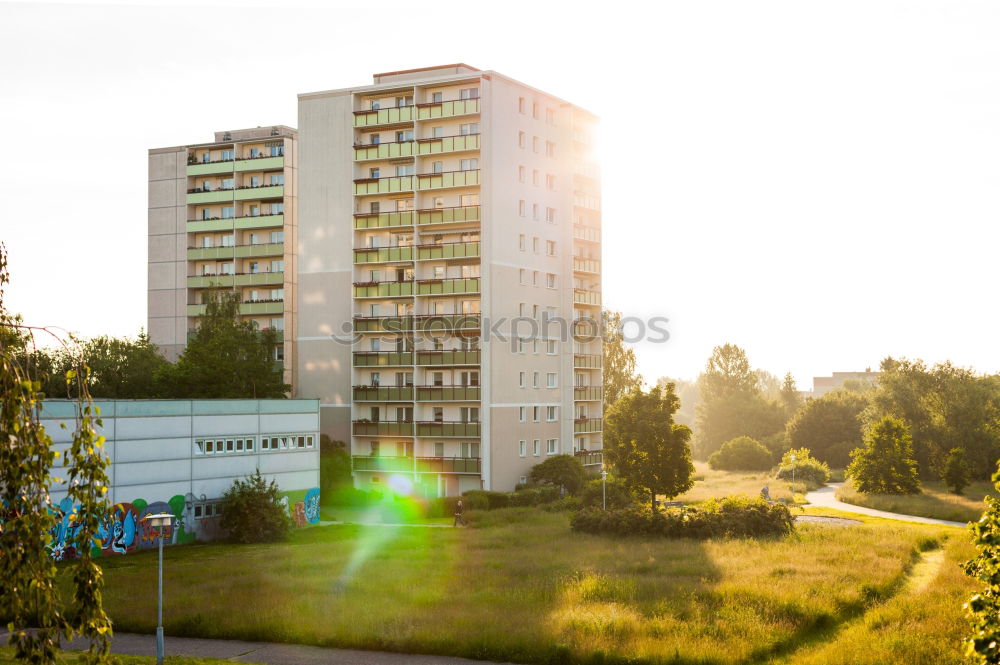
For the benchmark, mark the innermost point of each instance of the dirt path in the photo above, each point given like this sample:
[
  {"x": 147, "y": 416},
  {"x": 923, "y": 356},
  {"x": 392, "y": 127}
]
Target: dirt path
[{"x": 826, "y": 497}]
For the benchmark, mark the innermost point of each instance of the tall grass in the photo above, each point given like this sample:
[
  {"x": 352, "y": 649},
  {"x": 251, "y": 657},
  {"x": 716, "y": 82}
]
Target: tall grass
[
  {"x": 711, "y": 483},
  {"x": 521, "y": 587},
  {"x": 935, "y": 501}
]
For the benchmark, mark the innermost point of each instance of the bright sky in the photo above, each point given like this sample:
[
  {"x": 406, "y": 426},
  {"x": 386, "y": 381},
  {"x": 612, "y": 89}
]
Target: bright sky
[{"x": 815, "y": 181}]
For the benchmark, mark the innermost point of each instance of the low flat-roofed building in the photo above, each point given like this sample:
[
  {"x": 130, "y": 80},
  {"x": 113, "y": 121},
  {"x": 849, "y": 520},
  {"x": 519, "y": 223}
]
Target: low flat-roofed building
[
  {"x": 824, "y": 384},
  {"x": 180, "y": 457}
]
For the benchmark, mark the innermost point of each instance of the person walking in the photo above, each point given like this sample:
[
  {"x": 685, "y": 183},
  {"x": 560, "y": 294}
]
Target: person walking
[{"x": 459, "y": 513}]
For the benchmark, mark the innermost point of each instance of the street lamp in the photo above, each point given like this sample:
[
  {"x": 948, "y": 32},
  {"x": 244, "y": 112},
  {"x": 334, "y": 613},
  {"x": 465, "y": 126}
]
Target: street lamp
[
  {"x": 159, "y": 521},
  {"x": 604, "y": 490},
  {"x": 793, "y": 477}
]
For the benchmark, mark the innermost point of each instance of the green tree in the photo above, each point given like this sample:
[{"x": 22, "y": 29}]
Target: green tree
[
  {"x": 983, "y": 647},
  {"x": 334, "y": 466},
  {"x": 789, "y": 396},
  {"x": 956, "y": 470},
  {"x": 227, "y": 357},
  {"x": 252, "y": 511},
  {"x": 830, "y": 426},
  {"x": 120, "y": 367},
  {"x": 29, "y": 597},
  {"x": 647, "y": 449},
  {"x": 565, "y": 471},
  {"x": 620, "y": 374},
  {"x": 741, "y": 454},
  {"x": 885, "y": 464},
  {"x": 687, "y": 392}
]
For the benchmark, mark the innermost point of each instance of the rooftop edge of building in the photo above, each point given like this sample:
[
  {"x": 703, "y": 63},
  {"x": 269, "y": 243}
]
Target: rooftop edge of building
[{"x": 262, "y": 132}]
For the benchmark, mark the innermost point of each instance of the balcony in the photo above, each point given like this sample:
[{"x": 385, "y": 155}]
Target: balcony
[
  {"x": 383, "y": 358},
  {"x": 393, "y": 150},
  {"x": 591, "y": 457},
  {"x": 262, "y": 163},
  {"x": 442, "y": 322},
  {"x": 390, "y": 116},
  {"x": 442, "y": 429},
  {"x": 382, "y": 428},
  {"x": 230, "y": 223},
  {"x": 435, "y": 146},
  {"x": 389, "y": 185},
  {"x": 439, "y": 287},
  {"x": 585, "y": 297},
  {"x": 239, "y": 251},
  {"x": 239, "y": 279},
  {"x": 259, "y": 221},
  {"x": 447, "y": 179},
  {"x": 586, "y": 233},
  {"x": 246, "y": 308},
  {"x": 448, "y": 215},
  {"x": 383, "y": 254},
  {"x": 456, "y": 357},
  {"x": 581, "y": 264},
  {"x": 210, "y": 168},
  {"x": 448, "y": 393},
  {"x": 383, "y": 393},
  {"x": 448, "y": 250},
  {"x": 587, "y": 361},
  {"x": 588, "y": 393},
  {"x": 383, "y": 323},
  {"x": 381, "y": 220},
  {"x": 587, "y": 425},
  {"x": 417, "y": 464},
  {"x": 199, "y": 195},
  {"x": 383, "y": 289},
  {"x": 446, "y": 109},
  {"x": 261, "y": 192}
]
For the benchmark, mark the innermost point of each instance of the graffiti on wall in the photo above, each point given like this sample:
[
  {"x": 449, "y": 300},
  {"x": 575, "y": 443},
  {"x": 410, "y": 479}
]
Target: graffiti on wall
[{"x": 302, "y": 506}]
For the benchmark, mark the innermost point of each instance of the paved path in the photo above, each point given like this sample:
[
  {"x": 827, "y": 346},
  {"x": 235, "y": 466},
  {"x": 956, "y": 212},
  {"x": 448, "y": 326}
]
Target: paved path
[
  {"x": 269, "y": 653},
  {"x": 826, "y": 498}
]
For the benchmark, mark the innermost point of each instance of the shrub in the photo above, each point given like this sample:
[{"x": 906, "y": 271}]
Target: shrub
[
  {"x": 618, "y": 494},
  {"x": 956, "y": 470},
  {"x": 885, "y": 465},
  {"x": 731, "y": 517},
  {"x": 347, "y": 497},
  {"x": 741, "y": 454},
  {"x": 252, "y": 511},
  {"x": 564, "y": 504},
  {"x": 807, "y": 469},
  {"x": 530, "y": 496},
  {"x": 984, "y": 607},
  {"x": 564, "y": 471}
]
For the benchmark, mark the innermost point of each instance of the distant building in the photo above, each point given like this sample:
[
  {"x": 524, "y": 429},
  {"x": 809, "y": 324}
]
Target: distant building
[
  {"x": 824, "y": 384},
  {"x": 180, "y": 457}
]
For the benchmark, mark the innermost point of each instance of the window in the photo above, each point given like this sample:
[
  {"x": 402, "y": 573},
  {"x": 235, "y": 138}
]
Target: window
[
  {"x": 521, "y": 172},
  {"x": 522, "y": 241},
  {"x": 536, "y": 412},
  {"x": 550, "y": 446},
  {"x": 374, "y": 139},
  {"x": 535, "y": 244},
  {"x": 374, "y": 172},
  {"x": 522, "y": 448},
  {"x": 550, "y": 215},
  {"x": 535, "y": 447},
  {"x": 550, "y": 347},
  {"x": 374, "y": 448},
  {"x": 278, "y": 265},
  {"x": 550, "y": 247},
  {"x": 535, "y": 143},
  {"x": 522, "y": 416},
  {"x": 468, "y": 93},
  {"x": 404, "y": 101},
  {"x": 404, "y": 170},
  {"x": 437, "y": 167},
  {"x": 550, "y": 280},
  {"x": 437, "y": 97},
  {"x": 534, "y": 379},
  {"x": 277, "y": 179},
  {"x": 534, "y": 278},
  {"x": 550, "y": 380},
  {"x": 535, "y": 177},
  {"x": 439, "y": 449},
  {"x": 228, "y": 212},
  {"x": 468, "y": 128},
  {"x": 468, "y": 164},
  {"x": 534, "y": 110},
  {"x": 550, "y": 116},
  {"x": 522, "y": 275},
  {"x": 404, "y": 135},
  {"x": 521, "y": 105},
  {"x": 277, "y": 208},
  {"x": 521, "y": 379},
  {"x": 534, "y": 211},
  {"x": 521, "y": 205},
  {"x": 550, "y": 149},
  {"x": 469, "y": 199},
  {"x": 437, "y": 132},
  {"x": 277, "y": 236},
  {"x": 522, "y": 139},
  {"x": 470, "y": 449},
  {"x": 438, "y": 201},
  {"x": 550, "y": 182},
  {"x": 551, "y": 413}
]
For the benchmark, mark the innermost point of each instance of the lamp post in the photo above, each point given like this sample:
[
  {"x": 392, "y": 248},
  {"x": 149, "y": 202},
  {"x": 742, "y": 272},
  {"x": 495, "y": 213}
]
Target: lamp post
[
  {"x": 159, "y": 521},
  {"x": 793, "y": 477},
  {"x": 604, "y": 487}
]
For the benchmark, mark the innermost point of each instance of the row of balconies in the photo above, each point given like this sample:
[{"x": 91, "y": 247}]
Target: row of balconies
[
  {"x": 237, "y": 251},
  {"x": 447, "y": 250},
  {"x": 585, "y": 297},
  {"x": 237, "y": 223},
  {"x": 416, "y": 148},
  {"x": 422, "y": 287},
  {"x": 581, "y": 264},
  {"x": 405, "y": 114},
  {"x": 586, "y": 233},
  {"x": 591, "y": 457},
  {"x": 418, "y": 182},
  {"x": 416, "y": 464},
  {"x": 240, "y": 279},
  {"x": 587, "y": 425},
  {"x": 433, "y": 428},
  {"x": 238, "y": 166},
  {"x": 420, "y": 358},
  {"x": 260, "y": 307},
  {"x": 421, "y": 323},
  {"x": 241, "y": 194},
  {"x": 408, "y": 217},
  {"x": 416, "y": 393}
]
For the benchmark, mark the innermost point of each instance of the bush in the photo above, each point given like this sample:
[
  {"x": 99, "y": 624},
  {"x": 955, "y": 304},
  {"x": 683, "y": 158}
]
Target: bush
[
  {"x": 731, "y": 517},
  {"x": 810, "y": 471},
  {"x": 618, "y": 494},
  {"x": 348, "y": 497},
  {"x": 741, "y": 454},
  {"x": 885, "y": 465},
  {"x": 564, "y": 504},
  {"x": 564, "y": 471},
  {"x": 252, "y": 512},
  {"x": 956, "y": 470}
]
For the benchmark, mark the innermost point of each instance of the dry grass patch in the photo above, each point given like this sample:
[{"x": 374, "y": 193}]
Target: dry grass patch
[
  {"x": 935, "y": 501},
  {"x": 710, "y": 483}
]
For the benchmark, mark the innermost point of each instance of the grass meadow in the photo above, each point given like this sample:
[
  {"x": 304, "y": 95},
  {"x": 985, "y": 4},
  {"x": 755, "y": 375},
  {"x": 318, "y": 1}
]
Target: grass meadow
[
  {"x": 935, "y": 501},
  {"x": 715, "y": 483},
  {"x": 519, "y": 586},
  {"x": 71, "y": 658}
]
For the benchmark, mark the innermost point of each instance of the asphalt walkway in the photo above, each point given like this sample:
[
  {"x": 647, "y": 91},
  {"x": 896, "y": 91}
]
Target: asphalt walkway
[{"x": 826, "y": 497}]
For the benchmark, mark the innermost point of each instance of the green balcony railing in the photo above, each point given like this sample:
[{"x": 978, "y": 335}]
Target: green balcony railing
[
  {"x": 433, "y": 428},
  {"x": 389, "y": 116},
  {"x": 448, "y": 393},
  {"x": 231, "y": 223},
  {"x": 586, "y": 265},
  {"x": 279, "y": 335},
  {"x": 265, "y": 192},
  {"x": 590, "y": 458},
  {"x": 586, "y": 233},
  {"x": 259, "y": 222},
  {"x": 208, "y": 253},
  {"x": 424, "y": 322},
  {"x": 390, "y": 185},
  {"x": 587, "y": 361},
  {"x": 382, "y": 428},
  {"x": 587, "y": 393},
  {"x": 382, "y": 358},
  {"x": 383, "y": 393},
  {"x": 448, "y": 144},
  {"x": 276, "y": 307},
  {"x": 448, "y": 215},
  {"x": 383, "y": 254},
  {"x": 384, "y": 290},
  {"x": 584, "y": 297},
  {"x": 456, "y": 357},
  {"x": 214, "y": 196},
  {"x": 446, "y": 109},
  {"x": 261, "y": 249},
  {"x": 240, "y": 251},
  {"x": 383, "y": 220},
  {"x": 587, "y": 425},
  {"x": 418, "y": 464},
  {"x": 384, "y": 151},
  {"x": 448, "y": 250},
  {"x": 210, "y": 168},
  {"x": 260, "y": 164},
  {"x": 383, "y": 323},
  {"x": 248, "y": 279},
  {"x": 434, "y": 287},
  {"x": 447, "y": 179}
]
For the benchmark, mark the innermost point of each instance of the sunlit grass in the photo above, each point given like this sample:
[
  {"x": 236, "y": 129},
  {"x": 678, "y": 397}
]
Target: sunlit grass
[
  {"x": 935, "y": 501},
  {"x": 520, "y": 586},
  {"x": 713, "y": 483},
  {"x": 71, "y": 658}
]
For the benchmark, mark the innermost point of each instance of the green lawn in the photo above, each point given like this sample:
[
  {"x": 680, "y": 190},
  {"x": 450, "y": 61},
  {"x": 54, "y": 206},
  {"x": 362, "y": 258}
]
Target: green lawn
[
  {"x": 935, "y": 501},
  {"x": 713, "y": 483},
  {"x": 520, "y": 586},
  {"x": 71, "y": 658}
]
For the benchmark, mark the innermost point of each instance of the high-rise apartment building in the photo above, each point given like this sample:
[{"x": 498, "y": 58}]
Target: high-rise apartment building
[
  {"x": 449, "y": 236},
  {"x": 222, "y": 216}
]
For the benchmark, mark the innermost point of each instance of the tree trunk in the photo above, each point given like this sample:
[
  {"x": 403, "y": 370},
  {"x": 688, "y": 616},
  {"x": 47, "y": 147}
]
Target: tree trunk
[{"x": 652, "y": 500}]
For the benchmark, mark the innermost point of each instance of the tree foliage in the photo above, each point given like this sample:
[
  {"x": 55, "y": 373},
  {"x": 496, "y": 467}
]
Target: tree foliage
[
  {"x": 620, "y": 373},
  {"x": 789, "y": 396},
  {"x": 252, "y": 511},
  {"x": 830, "y": 426},
  {"x": 334, "y": 467},
  {"x": 885, "y": 464},
  {"x": 565, "y": 471},
  {"x": 805, "y": 468},
  {"x": 120, "y": 367},
  {"x": 983, "y": 647},
  {"x": 647, "y": 449},
  {"x": 741, "y": 454},
  {"x": 956, "y": 470}
]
